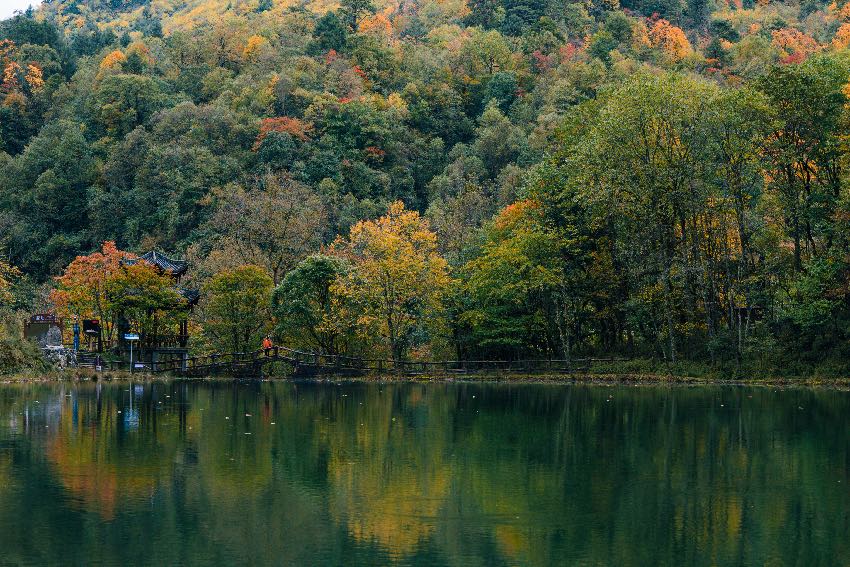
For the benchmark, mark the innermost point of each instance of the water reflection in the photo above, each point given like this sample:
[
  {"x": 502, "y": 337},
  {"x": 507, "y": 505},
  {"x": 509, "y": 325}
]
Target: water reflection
[{"x": 436, "y": 474}]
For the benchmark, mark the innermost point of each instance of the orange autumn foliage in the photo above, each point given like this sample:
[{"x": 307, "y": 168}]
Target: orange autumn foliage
[
  {"x": 377, "y": 24},
  {"x": 142, "y": 50},
  {"x": 11, "y": 74},
  {"x": 284, "y": 124},
  {"x": 104, "y": 286},
  {"x": 7, "y": 51},
  {"x": 253, "y": 46},
  {"x": 670, "y": 39},
  {"x": 796, "y": 44},
  {"x": 842, "y": 37},
  {"x": 112, "y": 60},
  {"x": 514, "y": 214},
  {"x": 83, "y": 290},
  {"x": 35, "y": 78},
  {"x": 16, "y": 78},
  {"x": 397, "y": 276}
]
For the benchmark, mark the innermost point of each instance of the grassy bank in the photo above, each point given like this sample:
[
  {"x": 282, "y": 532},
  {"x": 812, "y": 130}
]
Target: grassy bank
[
  {"x": 779, "y": 370},
  {"x": 635, "y": 371},
  {"x": 651, "y": 371},
  {"x": 598, "y": 378},
  {"x": 78, "y": 375}
]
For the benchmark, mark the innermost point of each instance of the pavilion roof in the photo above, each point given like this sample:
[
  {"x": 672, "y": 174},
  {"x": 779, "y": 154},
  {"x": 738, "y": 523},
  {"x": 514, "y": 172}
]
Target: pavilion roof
[
  {"x": 163, "y": 262},
  {"x": 190, "y": 295}
]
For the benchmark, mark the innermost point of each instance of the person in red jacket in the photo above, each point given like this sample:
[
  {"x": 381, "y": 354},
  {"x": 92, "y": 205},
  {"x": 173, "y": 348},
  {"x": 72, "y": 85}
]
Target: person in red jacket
[{"x": 267, "y": 343}]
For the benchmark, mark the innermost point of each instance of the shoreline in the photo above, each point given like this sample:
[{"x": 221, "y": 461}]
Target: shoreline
[
  {"x": 598, "y": 379},
  {"x": 589, "y": 378}
]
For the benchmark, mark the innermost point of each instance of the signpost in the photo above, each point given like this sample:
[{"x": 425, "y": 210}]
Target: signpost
[
  {"x": 131, "y": 337},
  {"x": 76, "y": 335}
]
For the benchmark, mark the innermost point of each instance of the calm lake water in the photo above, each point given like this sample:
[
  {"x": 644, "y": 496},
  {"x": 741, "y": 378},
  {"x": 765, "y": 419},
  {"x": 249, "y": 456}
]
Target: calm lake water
[{"x": 192, "y": 473}]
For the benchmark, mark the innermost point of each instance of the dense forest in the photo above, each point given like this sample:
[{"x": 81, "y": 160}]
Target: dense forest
[{"x": 659, "y": 179}]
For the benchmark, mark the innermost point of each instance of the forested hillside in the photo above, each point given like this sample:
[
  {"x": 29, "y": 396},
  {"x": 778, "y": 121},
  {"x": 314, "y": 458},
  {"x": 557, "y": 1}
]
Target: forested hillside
[{"x": 654, "y": 178}]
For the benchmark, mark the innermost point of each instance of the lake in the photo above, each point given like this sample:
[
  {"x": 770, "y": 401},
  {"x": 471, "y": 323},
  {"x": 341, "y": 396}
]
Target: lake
[{"x": 278, "y": 473}]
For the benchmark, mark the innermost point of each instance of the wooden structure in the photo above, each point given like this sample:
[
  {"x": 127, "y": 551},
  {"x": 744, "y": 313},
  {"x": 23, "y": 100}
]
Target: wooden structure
[
  {"x": 253, "y": 364},
  {"x": 168, "y": 348},
  {"x": 40, "y": 324}
]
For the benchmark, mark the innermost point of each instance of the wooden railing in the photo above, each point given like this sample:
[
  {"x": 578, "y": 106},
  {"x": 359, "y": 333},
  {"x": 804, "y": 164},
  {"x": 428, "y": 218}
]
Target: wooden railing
[
  {"x": 317, "y": 363},
  {"x": 165, "y": 341},
  {"x": 171, "y": 341}
]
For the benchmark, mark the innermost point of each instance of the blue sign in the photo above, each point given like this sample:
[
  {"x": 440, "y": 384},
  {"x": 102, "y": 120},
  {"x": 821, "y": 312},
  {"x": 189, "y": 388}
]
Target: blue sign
[{"x": 131, "y": 336}]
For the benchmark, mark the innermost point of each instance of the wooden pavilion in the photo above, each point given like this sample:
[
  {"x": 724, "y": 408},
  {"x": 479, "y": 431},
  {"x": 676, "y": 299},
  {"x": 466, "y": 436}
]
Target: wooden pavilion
[{"x": 163, "y": 346}]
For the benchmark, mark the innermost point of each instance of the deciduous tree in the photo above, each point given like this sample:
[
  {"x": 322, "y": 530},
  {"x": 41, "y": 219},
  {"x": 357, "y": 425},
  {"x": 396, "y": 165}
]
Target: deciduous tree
[
  {"x": 103, "y": 286},
  {"x": 274, "y": 223},
  {"x": 235, "y": 309},
  {"x": 308, "y": 314},
  {"x": 8, "y": 274},
  {"x": 397, "y": 279},
  {"x": 146, "y": 298},
  {"x": 85, "y": 289}
]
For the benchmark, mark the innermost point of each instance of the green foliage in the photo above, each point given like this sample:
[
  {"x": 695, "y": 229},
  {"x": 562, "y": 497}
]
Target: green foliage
[
  {"x": 601, "y": 45},
  {"x": 25, "y": 29},
  {"x": 46, "y": 188},
  {"x": 146, "y": 299},
  {"x": 681, "y": 165},
  {"x": 127, "y": 101},
  {"x": 235, "y": 312},
  {"x": 486, "y": 14},
  {"x": 521, "y": 15},
  {"x": 329, "y": 34},
  {"x": 308, "y": 315},
  {"x": 512, "y": 284},
  {"x": 352, "y": 11},
  {"x": 17, "y": 354},
  {"x": 619, "y": 26},
  {"x": 501, "y": 88}
]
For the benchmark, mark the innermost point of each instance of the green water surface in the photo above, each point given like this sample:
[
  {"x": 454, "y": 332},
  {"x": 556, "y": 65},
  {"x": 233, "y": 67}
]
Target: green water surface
[{"x": 221, "y": 473}]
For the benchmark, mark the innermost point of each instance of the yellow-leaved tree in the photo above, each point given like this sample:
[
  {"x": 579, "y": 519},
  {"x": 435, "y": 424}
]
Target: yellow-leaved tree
[
  {"x": 397, "y": 280},
  {"x": 671, "y": 40},
  {"x": 8, "y": 274}
]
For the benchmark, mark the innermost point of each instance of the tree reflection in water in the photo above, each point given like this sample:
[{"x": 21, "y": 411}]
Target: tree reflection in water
[{"x": 460, "y": 474}]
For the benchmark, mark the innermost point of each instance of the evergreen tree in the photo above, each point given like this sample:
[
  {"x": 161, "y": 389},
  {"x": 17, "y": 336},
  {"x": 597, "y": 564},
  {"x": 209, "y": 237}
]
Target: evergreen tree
[{"x": 329, "y": 33}]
